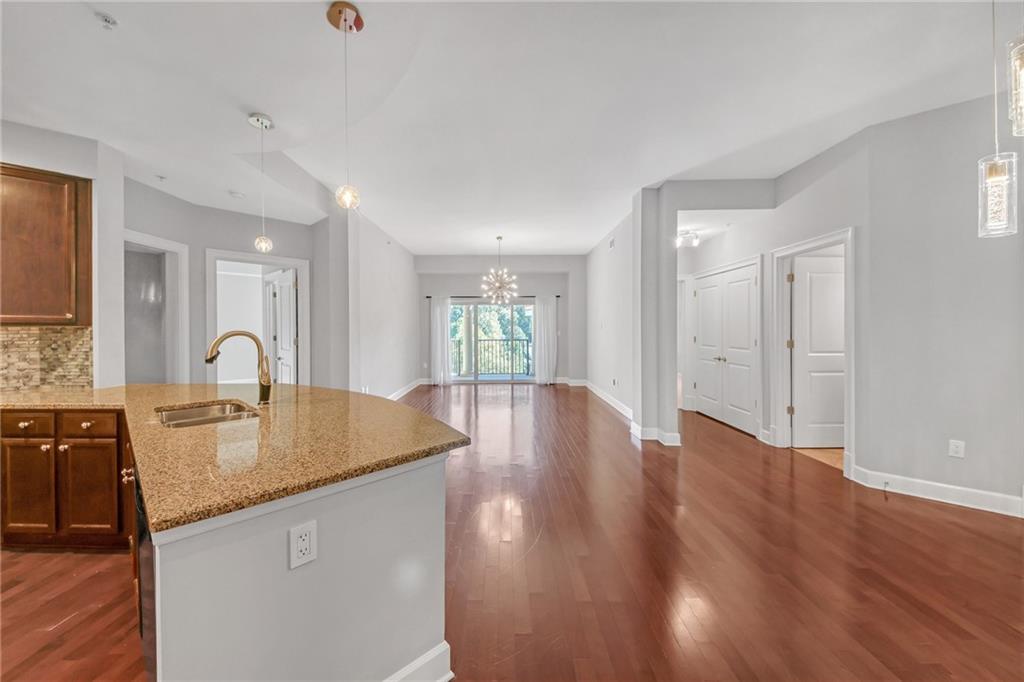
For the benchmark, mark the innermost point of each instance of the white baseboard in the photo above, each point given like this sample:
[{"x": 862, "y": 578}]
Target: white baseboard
[
  {"x": 690, "y": 403},
  {"x": 562, "y": 380},
  {"x": 669, "y": 439},
  {"x": 436, "y": 664},
  {"x": 767, "y": 436},
  {"x": 985, "y": 500},
  {"x": 405, "y": 389},
  {"x": 577, "y": 382},
  {"x": 620, "y": 406},
  {"x": 643, "y": 433}
]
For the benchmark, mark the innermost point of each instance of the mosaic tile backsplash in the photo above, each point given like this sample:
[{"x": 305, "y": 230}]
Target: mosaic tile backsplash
[{"x": 45, "y": 356}]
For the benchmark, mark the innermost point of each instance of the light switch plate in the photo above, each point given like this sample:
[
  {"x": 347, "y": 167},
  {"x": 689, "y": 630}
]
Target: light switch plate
[
  {"x": 301, "y": 544},
  {"x": 957, "y": 448}
]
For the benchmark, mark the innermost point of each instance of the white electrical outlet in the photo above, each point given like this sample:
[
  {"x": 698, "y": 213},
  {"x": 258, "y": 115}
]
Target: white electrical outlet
[
  {"x": 957, "y": 448},
  {"x": 301, "y": 544}
]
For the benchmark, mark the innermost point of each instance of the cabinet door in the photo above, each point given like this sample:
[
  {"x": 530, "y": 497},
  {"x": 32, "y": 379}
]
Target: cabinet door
[
  {"x": 45, "y": 247},
  {"x": 89, "y": 486},
  {"x": 29, "y": 486}
]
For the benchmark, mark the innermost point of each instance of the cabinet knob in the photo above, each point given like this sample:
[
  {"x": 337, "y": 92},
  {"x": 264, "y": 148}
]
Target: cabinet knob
[
  {"x": 68, "y": 316},
  {"x": 25, "y": 424},
  {"x": 63, "y": 447},
  {"x": 127, "y": 474},
  {"x": 87, "y": 425},
  {"x": 45, "y": 447}
]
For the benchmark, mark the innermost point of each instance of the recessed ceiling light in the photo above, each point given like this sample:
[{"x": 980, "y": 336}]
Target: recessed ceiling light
[
  {"x": 108, "y": 22},
  {"x": 236, "y": 194}
]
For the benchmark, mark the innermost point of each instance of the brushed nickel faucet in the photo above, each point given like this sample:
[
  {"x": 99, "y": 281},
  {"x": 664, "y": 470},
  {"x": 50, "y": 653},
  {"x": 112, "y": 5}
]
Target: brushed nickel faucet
[{"x": 263, "y": 361}]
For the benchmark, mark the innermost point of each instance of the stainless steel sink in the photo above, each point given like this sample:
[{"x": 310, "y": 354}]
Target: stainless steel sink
[{"x": 210, "y": 413}]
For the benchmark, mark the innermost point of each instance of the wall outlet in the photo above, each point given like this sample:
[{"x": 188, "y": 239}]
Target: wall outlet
[
  {"x": 957, "y": 448},
  {"x": 301, "y": 544}
]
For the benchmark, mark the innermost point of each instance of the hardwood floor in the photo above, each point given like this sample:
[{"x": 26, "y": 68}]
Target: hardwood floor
[
  {"x": 830, "y": 456},
  {"x": 575, "y": 553}
]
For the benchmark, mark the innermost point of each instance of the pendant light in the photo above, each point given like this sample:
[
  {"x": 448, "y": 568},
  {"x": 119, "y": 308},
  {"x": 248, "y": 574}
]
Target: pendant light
[
  {"x": 499, "y": 286},
  {"x": 346, "y": 18},
  {"x": 997, "y": 173},
  {"x": 262, "y": 122},
  {"x": 1015, "y": 76}
]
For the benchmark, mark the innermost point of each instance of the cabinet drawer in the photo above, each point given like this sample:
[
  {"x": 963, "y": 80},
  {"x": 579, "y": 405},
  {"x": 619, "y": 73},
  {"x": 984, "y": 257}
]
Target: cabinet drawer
[
  {"x": 26, "y": 424},
  {"x": 88, "y": 424}
]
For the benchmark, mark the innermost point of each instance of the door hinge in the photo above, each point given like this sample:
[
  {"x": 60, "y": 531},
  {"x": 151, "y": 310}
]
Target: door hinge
[
  {"x": 789, "y": 410},
  {"x": 790, "y": 277},
  {"x": 789, "y": 344},
  {"x": 695, "y": 339},
  {"x": 695, "y": 293},
  {"x": 274, "y": 294},
  {"x": 695, "y": 384}
]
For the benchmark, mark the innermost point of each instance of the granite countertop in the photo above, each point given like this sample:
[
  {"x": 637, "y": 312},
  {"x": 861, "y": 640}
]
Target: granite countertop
[{"x": 304, "y": 439}]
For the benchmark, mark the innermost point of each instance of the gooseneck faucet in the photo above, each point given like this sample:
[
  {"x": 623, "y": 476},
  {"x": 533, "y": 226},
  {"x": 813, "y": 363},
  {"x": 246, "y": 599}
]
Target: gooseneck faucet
[{"x": 263, "y": 362}]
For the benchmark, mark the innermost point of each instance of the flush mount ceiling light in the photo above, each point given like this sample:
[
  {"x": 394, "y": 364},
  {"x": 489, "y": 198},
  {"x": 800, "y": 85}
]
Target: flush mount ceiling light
[
  {"x": 997, "y": 173},
  {"x": 499, "y": 286},
  {"x": 262, "y": 123},
  {"x": 345, "y": 17},
  {"x": 687, "y": 238}
]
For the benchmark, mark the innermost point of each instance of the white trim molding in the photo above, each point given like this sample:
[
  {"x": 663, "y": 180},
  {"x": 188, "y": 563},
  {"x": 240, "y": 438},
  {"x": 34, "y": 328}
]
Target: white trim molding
[
  {"x": 408, "y": 387},
  {"x": 433, "y": 665},
  {"x": 669, "y": 439},
  {"x": 619, "y": 406},
  {"x": 985, "y": 500},
  {"x": 643, "y": 433},
  {"x": 182, "y": 373},
  {"x": 301, "y": 266}
]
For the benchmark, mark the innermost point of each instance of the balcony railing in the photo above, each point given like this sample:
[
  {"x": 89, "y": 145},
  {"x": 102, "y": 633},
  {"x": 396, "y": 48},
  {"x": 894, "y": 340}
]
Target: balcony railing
[{"x": 499, "y": 357}]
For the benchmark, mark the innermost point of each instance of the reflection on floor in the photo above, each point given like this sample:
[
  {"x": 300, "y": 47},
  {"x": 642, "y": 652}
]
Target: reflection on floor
[{"x": 830, "y": 456}]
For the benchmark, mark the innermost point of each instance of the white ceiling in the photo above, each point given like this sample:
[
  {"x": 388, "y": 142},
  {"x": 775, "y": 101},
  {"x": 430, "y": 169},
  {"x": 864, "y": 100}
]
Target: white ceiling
[{"x": 538, "y": 121}]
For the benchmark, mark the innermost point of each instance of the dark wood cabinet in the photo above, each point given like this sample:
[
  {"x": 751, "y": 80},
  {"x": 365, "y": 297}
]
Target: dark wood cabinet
[
  {"x": 89, "y": 474},
  {"x": 66, "y": 483},
  {"x": 29, "y": 486},
  {"x": 45, "y": 247}
]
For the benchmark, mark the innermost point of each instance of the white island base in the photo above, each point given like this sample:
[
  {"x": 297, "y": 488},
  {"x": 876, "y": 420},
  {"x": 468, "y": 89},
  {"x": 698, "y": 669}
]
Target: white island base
[{"x": 219, "y": 600}]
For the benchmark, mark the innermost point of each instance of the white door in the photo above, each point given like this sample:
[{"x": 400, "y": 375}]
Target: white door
[
  {"x": 282, "y": 342},
  {"x": 818, "y": 352},
  {"x": 738, "y": 332},
  {"x": 709, "y": 345}
]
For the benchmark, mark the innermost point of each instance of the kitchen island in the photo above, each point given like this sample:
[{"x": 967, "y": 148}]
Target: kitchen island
[{"x": 303, "y": 542}]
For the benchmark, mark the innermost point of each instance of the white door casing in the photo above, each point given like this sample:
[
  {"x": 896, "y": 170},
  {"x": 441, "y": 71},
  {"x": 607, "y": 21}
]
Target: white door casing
[
  {"x": 818, "y": 354},
  {"x": 282, "y": 317}
]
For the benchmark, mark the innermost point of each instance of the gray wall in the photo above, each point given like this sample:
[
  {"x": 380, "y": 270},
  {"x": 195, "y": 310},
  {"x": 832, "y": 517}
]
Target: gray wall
[
  {"x": 609, "y": 314},
  {"x": 154, "y": 212},
  {"x": 383, "y": 310},
  {"x": 939, "y": 312},
  {"x": 145, "y": 348}
]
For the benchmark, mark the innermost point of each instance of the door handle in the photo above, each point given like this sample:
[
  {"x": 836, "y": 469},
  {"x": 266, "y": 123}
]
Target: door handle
[
  {"x": 25, "y": 424},
  {"x": 63, "y": 447},
  {"x": 44, "y": 448},
  {"x": 127, "y": 474}
]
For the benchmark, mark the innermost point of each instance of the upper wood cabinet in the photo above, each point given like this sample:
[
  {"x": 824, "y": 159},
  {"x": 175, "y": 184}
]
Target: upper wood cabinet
[{"x": 45, "y": 247}]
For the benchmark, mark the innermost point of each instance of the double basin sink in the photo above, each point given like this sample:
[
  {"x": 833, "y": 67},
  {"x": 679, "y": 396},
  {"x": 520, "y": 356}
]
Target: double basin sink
[{"x": 209, "y": 413}]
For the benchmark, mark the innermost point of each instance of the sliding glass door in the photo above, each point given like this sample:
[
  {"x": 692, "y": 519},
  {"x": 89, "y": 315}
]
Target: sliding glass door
[{"x": 491, "y": 342}]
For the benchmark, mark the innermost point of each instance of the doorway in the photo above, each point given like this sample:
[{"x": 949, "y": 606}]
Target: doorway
[
  {"x": 491, "y": 343},
  {"x": 268, "y": 296},
  {"x": 812, "y": 348},
  {"x": 156, "y": 312},
  {"x": 726, "y": 316},
  {"x": 260, "y": 299}
]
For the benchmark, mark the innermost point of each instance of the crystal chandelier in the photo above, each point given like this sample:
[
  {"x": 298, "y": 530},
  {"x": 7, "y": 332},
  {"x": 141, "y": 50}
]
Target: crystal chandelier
[
  {"x": 499, "y": 286},
  {"x": 346, "y": 18},
  {"x": 263, "y": 244},
  {"x": 997, "y": 173}
]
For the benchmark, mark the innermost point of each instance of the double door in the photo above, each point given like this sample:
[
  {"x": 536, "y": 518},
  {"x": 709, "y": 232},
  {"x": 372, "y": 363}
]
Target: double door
[{"x": 726, "y": 309}]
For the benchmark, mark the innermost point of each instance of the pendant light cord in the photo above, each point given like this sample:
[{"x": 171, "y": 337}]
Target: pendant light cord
[
  {"x": 263, "y": 193},
  {"x": 348, "y": 174},
  {"x": 995, "y": 80}
]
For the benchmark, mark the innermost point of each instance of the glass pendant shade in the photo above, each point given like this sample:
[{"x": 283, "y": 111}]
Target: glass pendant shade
[
  {"x": 263, "y": 244},
  {"x": 1015, "y": 74},
  {"x": 997, "y": 195},
  {"x": 347, "y": 196}
]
